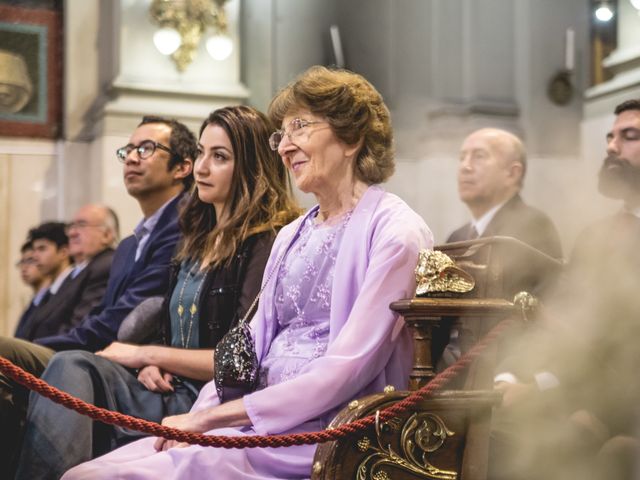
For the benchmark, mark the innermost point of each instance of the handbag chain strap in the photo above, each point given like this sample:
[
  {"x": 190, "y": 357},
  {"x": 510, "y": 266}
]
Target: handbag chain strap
[
  {"x": 264, "y": 285},
  {"x": 275, "y": 268}
]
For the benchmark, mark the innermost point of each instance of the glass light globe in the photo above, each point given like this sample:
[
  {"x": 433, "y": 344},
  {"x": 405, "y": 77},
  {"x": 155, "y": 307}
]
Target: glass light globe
[
  {"x": 635, "y": 4},
  {"x": 604, "y": 13},
  {"x": 219, "y": 47},
  {"x": 167, "y": 40}
]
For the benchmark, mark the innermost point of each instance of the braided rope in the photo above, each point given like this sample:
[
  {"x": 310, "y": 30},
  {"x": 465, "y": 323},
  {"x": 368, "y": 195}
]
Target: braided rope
[{"x": 115, "y": 418}]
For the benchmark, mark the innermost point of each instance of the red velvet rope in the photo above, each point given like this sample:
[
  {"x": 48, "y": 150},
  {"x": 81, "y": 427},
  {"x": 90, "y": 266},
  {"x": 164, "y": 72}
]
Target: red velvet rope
[{"x": 114, "y": 418}]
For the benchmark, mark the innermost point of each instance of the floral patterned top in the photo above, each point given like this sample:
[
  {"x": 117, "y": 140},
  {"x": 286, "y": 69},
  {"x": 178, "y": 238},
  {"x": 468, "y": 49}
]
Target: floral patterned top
[{"x": 303, "y": 300}]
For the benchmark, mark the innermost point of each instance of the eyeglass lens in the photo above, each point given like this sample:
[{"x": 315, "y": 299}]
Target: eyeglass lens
[
  {"x": 145, "y": 150},
  {"x": 79, "y": 224},
  {"x": 26, "y": 261},
  {"x": 295, "y": 129}
]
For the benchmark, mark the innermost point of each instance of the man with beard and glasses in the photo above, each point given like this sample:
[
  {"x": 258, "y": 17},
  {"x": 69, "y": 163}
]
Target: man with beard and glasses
[{"x": 573, "y": 398}]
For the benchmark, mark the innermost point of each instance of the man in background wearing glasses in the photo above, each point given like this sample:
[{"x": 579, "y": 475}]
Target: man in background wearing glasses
[
  {"x": 32, "y": 277},
  {"x": 157, "y": 170},
  {"x": 40, "y": 271},
  {"x": 92, "y": 236}
]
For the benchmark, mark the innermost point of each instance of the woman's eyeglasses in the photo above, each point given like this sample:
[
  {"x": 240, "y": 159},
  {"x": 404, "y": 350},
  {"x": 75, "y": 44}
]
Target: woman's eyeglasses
[{"x": 295, "y": 130}]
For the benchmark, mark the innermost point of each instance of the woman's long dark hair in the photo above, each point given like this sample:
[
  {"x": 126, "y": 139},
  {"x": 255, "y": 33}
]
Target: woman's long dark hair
[{"x": 260, "y": 197}]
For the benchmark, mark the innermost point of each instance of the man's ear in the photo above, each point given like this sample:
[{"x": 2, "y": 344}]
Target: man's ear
[
  {"x": 183, "y": 169},
  {"x": 515, "y": 171},
  {"x": 108, "y": 237}
]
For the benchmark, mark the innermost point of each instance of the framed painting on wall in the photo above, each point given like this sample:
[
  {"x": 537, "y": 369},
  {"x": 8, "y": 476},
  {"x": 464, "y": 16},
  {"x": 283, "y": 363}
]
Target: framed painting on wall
[{"x": 30, "y": 72}]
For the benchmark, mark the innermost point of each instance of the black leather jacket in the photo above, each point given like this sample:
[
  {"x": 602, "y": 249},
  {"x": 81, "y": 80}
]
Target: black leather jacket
[{"x": 227, "y": 292}]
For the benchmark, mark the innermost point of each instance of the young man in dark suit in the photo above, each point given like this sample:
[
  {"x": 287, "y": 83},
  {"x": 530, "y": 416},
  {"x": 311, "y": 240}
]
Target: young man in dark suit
[
  {"x": 490, "y": 176},
  {"x": 92, "y": 236},
  {"x": 29, "y": 272},
  {"x": 33, "y": 277},
  {"x": 53, "y": 261},
  {"x": 158, "y": 164}
]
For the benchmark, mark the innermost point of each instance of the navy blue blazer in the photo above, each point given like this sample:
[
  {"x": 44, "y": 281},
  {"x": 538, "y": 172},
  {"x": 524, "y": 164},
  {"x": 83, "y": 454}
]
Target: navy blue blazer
[{"x": 129, "y": 284}]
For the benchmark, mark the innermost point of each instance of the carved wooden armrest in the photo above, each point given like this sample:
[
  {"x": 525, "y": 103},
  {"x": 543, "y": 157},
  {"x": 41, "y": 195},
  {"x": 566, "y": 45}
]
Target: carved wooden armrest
[{"x": 428, "y": 441}]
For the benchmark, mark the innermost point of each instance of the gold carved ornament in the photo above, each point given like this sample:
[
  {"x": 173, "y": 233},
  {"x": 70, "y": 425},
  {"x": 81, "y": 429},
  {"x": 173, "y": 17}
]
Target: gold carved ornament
[
  {"x": 437, "y": 273},
  {"x": 421, "y": 434}
]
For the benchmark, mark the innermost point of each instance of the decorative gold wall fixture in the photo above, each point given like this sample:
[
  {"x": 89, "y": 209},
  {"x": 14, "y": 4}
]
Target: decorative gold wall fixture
[{"x": 183, "y": 23}]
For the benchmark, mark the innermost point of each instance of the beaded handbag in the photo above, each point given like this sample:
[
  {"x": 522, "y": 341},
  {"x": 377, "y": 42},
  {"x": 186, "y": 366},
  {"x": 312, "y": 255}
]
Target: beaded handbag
[{"x": 235, "y": 361}]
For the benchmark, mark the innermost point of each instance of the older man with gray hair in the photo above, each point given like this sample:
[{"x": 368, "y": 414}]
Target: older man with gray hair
[
  {"x": 490, "y": 176},
  {"x": 491, "y": 173}
]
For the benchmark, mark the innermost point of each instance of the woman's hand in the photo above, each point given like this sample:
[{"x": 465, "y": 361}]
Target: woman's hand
[
  {"x": 188, "y": 422},
  {"x": 125, "y": 354},
  {"x": 229, "y": 414},
  {"x": 155, "y": 379}
]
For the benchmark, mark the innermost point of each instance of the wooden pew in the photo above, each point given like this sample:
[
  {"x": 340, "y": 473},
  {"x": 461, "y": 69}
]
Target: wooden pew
[{"x": 446, "y": 435}]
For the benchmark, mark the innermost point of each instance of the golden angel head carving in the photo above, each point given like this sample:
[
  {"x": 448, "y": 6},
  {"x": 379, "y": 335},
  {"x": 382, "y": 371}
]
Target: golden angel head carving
[{"x": 437, "y": 273}]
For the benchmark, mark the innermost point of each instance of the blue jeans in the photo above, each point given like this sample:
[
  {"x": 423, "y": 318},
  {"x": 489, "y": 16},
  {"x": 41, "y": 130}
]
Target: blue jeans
[{"x": 57, "y": 439}]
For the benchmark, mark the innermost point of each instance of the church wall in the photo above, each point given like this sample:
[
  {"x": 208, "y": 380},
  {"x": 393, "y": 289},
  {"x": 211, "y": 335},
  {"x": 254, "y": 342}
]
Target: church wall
[
  {"x": 282, "y": 38},
  {"x": 24, "y": 201},
  {"x": 445, "y": 69}
]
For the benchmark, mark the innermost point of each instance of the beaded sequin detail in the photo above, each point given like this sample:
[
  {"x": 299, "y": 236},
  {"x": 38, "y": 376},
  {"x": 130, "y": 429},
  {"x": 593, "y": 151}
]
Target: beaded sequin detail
[{"x": 303, "y": 301}]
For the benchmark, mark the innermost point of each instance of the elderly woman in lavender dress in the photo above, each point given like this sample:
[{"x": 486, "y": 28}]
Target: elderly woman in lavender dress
[{"x": 323, "y": 332}]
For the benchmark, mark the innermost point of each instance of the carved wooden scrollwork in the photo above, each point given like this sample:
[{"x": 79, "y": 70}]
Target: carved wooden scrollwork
[{"x": 422, "y": 434}]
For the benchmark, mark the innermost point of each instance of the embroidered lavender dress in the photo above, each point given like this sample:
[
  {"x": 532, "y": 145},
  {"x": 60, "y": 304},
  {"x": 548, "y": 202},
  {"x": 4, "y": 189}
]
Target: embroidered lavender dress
[
  {"x": 303, "y": 301},
  {"x": 324, "y": 335}
]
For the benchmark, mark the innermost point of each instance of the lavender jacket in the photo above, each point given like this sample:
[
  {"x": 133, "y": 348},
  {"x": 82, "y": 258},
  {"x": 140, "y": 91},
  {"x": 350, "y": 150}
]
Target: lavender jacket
[{"x": 369, "y": 346}]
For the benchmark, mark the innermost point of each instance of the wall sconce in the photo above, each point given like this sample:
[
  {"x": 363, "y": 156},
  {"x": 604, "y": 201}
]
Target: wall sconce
[
  {"x": 603, "y": 12},
  {"x": 183, "y": 23},
  {"x": 560, "y": 88}
]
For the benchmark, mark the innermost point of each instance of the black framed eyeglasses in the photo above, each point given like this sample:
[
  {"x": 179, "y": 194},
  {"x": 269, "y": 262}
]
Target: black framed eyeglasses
[{"x": 145, "y": 149}]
